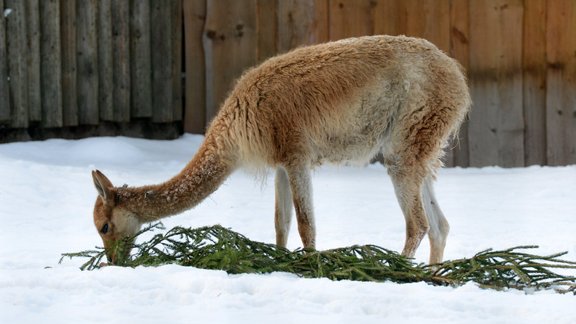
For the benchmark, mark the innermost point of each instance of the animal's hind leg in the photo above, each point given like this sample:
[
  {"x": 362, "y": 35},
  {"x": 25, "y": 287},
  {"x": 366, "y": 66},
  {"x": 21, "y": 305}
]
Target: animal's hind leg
[
  {"x": 407, "y": 185},
  {"x": 283, "y": 208},
  {"x": 301, "y": 185},
  {"x": 439, "y": 227}
]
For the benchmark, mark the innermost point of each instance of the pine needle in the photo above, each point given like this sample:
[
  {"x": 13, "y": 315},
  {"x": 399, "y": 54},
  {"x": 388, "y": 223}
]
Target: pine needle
[{"x": 216, "y": 247}]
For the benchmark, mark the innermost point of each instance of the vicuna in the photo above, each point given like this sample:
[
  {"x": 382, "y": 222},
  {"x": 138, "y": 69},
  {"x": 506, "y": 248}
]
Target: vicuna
[{"x": 338, "y": 102}]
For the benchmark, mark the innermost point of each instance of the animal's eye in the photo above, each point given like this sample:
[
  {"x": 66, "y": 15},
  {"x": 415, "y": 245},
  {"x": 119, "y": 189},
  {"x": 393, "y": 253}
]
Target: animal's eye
[{"x": 104, "y": 229}]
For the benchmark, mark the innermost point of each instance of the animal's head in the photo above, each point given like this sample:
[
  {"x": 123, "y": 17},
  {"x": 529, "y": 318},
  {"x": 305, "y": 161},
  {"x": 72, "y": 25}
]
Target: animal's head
[{"x": 115, "y": 224}]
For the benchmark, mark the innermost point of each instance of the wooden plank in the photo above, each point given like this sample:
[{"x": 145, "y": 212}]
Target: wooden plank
[
  {"x": 176, "y": 57},
  {"x": 267, "y": 28},
  {"x": 141, "y": 57},
  {"x": 496, "y": 125},
  {"x": 4, "y": 84},
  {"x": 390, "y": 17},
  {"x": 88, "y": 91},
  {"x": 195, "y": 113},
  {"x": 230, "y": 43},
  {"x": 429, "y": 19},
  {"x": 105, "y": 61},
  {"x": 69, "y": 79},
  {"x": 162, "y": 100},
  {"x": 121, "y": 60},
  {"x": 302, "y": 23},
  {"x": 561, "y": 82},
  {"x": 50, "y": 63},
  {"x": 33, "y": 60},
  {"x": 460, "y": 50},
  {"x": 483, "y": 125},
  {"x": 16, "y": 43},
  {"x": 351, "y": 18},
  {"x": 511, "y": 85},
  {"x": 534, "y": 92}
]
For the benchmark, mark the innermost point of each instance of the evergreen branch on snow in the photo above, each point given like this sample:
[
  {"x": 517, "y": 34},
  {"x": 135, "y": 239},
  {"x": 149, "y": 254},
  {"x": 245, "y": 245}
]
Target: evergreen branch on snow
[{"x": 219, "y": 248}]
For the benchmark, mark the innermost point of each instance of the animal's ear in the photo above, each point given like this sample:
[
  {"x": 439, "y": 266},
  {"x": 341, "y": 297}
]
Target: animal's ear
[{"x": 103, "y": 186}]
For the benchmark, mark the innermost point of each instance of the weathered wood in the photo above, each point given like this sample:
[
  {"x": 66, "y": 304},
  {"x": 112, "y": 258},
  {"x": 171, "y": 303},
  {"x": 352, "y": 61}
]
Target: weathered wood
[
  {"x": 496, "y": 120},
  {"x": 16, "y": 41},
  {"x": 161, "y": 62},
  {"x": 561, "y": 82},
  {"x": 121, "y": 60},
  {"x": 511, "y": 85},
  {"x": 50, "y": 63},
  {"x": 390, "y": 17},
  {"x": 87, "y": 60},
  {"x": 4, "y": 84},
  {"x": 141, "y": 59},
  {"x": 33, "y": 60},
  {"x": 195, "y": 113},
  {"x": 302, "y": 23},
  {"x": 350, "y": 18},
  {"x": 429, "y": 19},
  {"x": 267, "y": 28},
  {"x": 230, "y": 43},
  {"x": 176, "y": 57},
  {"x": 460, "y": 50},
  {"x": 69, "y": 79},
  {"x": 534, "y": 93},
  {"x": 105, "y": 61}
]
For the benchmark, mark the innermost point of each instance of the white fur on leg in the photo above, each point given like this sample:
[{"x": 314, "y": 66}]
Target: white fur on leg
[
  {"x": 283, "y": 208},
  {"x": 439, "y": 227},
  {"x": 301, "y": 186}
]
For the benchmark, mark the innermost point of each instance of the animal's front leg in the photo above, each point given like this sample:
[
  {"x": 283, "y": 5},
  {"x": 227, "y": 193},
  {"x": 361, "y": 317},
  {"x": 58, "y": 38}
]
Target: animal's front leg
[
  {"x": 301, "y": 186},
  {"x": 283, "y": 207}
]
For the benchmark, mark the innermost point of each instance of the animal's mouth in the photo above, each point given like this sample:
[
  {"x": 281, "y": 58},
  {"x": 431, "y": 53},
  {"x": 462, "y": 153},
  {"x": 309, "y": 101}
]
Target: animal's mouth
[{"x": 119, "y": 251}]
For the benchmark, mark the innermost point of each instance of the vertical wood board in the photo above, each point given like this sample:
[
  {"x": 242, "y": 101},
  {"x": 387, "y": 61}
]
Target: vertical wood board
[
  {"x": 161, "y": 62},
  {"x": 87, "y": 60},
  {"x": 534, "y": 81},
  {"x": 561, "y": 82},
  {"x": 230, "y": 44},
  {"x": 267, "y": 26},
  {"x": 105, "y": 61},
  {"x": 69, "y": 73},
  {"x": 33, "y": 60},
  {"x": 141, "y": 59},
  {"x": 51, "y": 63},
  {"x": 5, "y": 113},
  {"x": 195, "y": 115},
  {"x": 460, "y": 50},
  {"x": 16, "y": 54},
  {"x": 302, "y": 23},
  {"x": 496, "y": 122},
  {"x": 390, "y": 17},
  {"x": 176, "y": 58},
  {"x": 121, "y": 60},
  {"x": 351, "y": 18}
]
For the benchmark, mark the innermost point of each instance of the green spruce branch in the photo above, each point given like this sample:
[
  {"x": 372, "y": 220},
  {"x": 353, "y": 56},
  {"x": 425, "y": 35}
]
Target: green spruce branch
[{"x": 219, "y": 248}]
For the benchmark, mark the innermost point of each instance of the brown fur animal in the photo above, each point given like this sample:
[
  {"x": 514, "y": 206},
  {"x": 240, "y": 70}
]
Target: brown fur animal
[{"x": 338, "y": 102}]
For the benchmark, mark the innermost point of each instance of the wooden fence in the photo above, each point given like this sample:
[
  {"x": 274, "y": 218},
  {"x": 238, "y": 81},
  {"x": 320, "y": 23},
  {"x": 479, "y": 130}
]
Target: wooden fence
[
  {"x": 520, "y": 56},
  {"x": 71, "y": 64}
]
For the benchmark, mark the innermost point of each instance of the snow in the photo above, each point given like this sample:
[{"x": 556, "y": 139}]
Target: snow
[{"x": 47, "y": 196}]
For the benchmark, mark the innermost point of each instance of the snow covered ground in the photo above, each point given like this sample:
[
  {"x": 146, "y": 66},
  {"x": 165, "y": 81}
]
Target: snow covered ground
[{"x": 46, "y": 200}]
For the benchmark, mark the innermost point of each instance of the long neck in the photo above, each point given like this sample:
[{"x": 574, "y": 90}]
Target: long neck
[{"x": 202, "y": 176}]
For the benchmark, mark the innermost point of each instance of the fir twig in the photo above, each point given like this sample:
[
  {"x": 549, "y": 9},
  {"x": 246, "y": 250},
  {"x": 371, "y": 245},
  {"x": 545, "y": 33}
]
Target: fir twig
[{"x": 219, "y": 248}]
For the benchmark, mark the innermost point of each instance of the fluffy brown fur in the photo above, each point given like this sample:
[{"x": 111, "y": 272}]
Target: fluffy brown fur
[{"x": 338, "y": 102}]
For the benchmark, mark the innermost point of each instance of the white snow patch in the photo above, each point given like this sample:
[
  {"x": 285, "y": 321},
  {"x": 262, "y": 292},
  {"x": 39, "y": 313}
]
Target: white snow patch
[{"x": 47, "y": 196}]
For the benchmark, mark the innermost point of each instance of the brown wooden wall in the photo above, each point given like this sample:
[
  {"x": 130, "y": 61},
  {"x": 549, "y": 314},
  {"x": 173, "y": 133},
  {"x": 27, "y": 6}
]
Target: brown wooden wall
[
  {"x": 520, "y": 56},
  {"x": 69, "y": 64},
  {"x": 72, "y": 64}
]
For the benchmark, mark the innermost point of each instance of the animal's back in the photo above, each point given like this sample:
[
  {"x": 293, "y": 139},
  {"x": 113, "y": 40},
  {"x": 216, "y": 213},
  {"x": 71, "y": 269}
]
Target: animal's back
[{"x": 340, "y": 101}]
